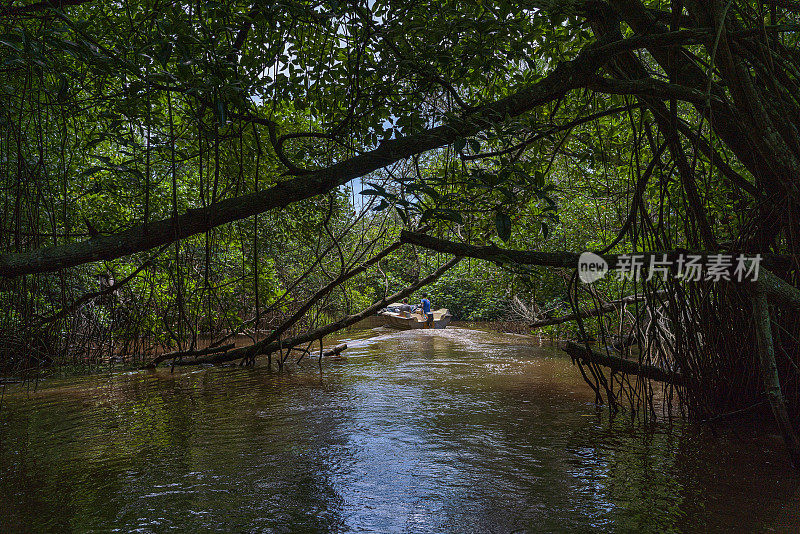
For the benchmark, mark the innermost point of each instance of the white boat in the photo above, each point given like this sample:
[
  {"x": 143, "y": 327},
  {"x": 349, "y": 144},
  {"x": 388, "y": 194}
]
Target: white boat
[{"x": 391, "y": 316}]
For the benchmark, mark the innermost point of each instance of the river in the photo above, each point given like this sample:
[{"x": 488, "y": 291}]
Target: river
[{"x": 451, "y": 430}]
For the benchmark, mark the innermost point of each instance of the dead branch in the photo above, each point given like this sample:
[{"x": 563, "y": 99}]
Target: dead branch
[{"x": 622, "y": 365}]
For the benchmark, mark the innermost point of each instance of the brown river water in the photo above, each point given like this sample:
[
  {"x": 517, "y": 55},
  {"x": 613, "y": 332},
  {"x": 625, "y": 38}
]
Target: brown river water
[{"x": 451, "y": 430}]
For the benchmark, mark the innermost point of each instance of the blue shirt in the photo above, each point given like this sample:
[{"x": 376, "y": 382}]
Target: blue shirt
[{"x": 426, "y": 306}]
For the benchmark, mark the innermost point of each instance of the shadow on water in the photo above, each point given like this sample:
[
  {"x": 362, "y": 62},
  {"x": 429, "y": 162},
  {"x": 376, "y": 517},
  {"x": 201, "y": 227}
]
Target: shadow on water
[{"x": 419, "y": 431}]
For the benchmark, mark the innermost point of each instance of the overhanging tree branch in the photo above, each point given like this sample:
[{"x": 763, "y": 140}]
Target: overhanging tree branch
[
  {"x": 562, "y": 79},
  {"x": 563, "y": 259},
  {"x": 566, "y": 76}
]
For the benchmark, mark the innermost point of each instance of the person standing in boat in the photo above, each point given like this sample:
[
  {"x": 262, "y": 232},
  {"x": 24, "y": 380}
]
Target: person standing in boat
[{"x": 426, "y": 309}]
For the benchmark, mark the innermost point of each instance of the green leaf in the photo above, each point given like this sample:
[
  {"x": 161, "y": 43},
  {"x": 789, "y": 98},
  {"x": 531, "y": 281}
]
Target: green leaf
[
  {"x": 380, "y": 190},
  {"x": 164, "y": 53},
  {"x": 503, "y": 224},
  {"x": 92, "y": 170},
  {"x": 402, "y": 214},
  {"x": 63, "y": 89},
  {"x": 450, "y": 215},
  {"x": 459, "y": 144},
  {"x": 538, "y": 178},
  {"x": 221, "y": 115},
  {"x": 382, "y": 206},
  {"x": 424, "y": 188}
]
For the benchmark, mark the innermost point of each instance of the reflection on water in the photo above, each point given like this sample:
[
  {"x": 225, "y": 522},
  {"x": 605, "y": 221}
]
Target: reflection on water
[{"x": 421, "y": 431}]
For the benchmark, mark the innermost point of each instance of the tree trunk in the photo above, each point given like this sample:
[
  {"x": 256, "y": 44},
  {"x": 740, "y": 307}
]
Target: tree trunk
[{"x": 769, "y": 374}]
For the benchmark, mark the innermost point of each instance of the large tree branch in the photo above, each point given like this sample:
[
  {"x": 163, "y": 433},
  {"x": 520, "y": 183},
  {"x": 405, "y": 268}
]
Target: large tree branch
[
  {"x": 651, "y": 87},
  {"x": 566, "y": 259},
  {"x": 565, "y": 77}
]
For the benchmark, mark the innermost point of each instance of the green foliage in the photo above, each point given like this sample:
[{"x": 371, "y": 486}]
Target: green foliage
[{"x": 470, "y": 300}]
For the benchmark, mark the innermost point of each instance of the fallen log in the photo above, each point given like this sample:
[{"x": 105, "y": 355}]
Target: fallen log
[
  {"x": 186, "y": 353},
  {"x": 622, "y": 365},
  {"x": 335, "y": 351}
]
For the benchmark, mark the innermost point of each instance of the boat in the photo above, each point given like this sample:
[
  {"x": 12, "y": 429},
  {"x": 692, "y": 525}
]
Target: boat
[{"x": 392, "y": 316}]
